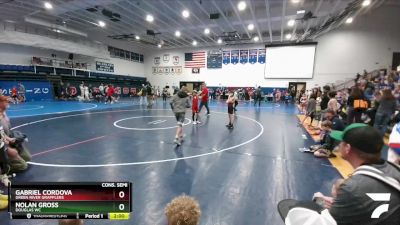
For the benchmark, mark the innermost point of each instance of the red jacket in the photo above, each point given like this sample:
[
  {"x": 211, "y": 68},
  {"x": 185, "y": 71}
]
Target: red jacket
[
  {"x": 110, "y": 91},
  {"x": 204, "y": 94}
]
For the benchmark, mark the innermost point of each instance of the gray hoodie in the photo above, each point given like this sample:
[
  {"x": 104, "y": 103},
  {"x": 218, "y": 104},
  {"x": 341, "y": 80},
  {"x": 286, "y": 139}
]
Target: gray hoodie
[{"x": 180, "y": 102}]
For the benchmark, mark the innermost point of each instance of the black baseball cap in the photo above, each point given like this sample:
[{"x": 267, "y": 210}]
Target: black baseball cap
[{"x": 360, "y": 136}]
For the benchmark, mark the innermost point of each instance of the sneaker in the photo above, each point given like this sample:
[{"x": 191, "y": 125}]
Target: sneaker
[
  {"x": 194, "y": 123},
  {"x": 230, "y": 127},
  {"x": 198, "y": 122},
  {"x": 4, "y": 179},
  {"x": 208, "y": 114}
]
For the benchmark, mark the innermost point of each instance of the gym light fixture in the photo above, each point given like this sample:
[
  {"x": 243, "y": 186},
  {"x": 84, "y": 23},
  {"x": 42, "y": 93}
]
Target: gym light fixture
[
  {"x": 291, "y": 23},
  {"x": 159, "y": 45},
  {"x": 149, "y": 18},
  {"x": 242, "y": 5},
  {"x": 206, "y": 31},
  {"x": 256, "y": 38},
  {"x": 349, "y": 20},
  {"x": 288, "y": 36},
  {"x": 177, "y": 33},
  {"x": 366, "y": 3},
  {"x": 48, "y": 5},
  {"x": 295, "y": 1},
  {"x": 102, "y": 24},
  {"x": 250, "y": 26},
  {"x": 302, "y": 11},
  {"x": 219, "y": 41},
  {"x": 137, "y": 37},
  {"x": 185, "y": 13},
  {"x": 194, "y": 43}
]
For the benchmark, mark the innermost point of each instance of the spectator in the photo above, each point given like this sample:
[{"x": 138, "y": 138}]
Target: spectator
[
  {"x": 324, "y": 149},
  {"x": 16, "y": 150},
  {"x": 386, "y": 109},
  {"x": 337, "y": 123},
  {"x": 183, "y": 210},
  {"x": 354, "y": 114},
  {"x": 394, "y": 145},
  {"x": 333, "y": 103},
  {"x": 361, "y": 146},
  {"x": 311, "y": 107},
  {"x": 303, "y": 104},
  {"x": 325, "y": 201},
  {"x": 257, "y": 96}
]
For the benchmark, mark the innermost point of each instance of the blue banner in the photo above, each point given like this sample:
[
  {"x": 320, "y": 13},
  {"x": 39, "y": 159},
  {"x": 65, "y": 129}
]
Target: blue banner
[
  {"x": 234, "y": 57},
  {"x": 261, "y": 56},
  {"x": 34, "y": 90},
  {"x": 252, "y": 56},
  {"x": 244, "y": 56},
  {"x": 214, "y": 59},
  {"x": 226, "y": 57}
]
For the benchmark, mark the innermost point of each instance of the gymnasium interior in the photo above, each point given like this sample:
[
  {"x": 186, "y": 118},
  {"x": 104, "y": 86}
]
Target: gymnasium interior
[{"x": 199, "y": 112}]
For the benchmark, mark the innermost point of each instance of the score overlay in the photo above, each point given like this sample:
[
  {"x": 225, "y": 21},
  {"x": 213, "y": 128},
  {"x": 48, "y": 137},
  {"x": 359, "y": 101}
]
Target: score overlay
[{"x": 73, "y": 200}]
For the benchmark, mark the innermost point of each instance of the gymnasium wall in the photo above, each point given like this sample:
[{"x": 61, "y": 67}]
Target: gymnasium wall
[{"x": 368, "y": 43}]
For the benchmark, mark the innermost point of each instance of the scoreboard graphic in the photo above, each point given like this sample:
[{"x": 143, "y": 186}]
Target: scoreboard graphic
[{"x": 90, "y": 200}]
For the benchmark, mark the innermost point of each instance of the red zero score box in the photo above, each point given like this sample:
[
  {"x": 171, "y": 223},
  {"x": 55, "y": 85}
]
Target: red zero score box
[{"x": 70, "y": 200}]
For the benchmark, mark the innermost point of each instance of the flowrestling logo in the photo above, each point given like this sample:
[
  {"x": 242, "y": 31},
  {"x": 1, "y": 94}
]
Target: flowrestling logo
[{"x": 379, "y": 197}]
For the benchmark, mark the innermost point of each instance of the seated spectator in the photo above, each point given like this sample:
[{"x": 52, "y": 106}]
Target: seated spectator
[
  {"x": 70, "y": 222},
  {"x": 394, "y": 145},
  {"x": 333, "y": 103},
  {"x": 327, "y": 144},
  {"x": 3, "y": 201},
  {"x": 183, "y": 210},
  {"x": 361, "y": 146},
  {"x": 337, "y": 123},
  {"x": 16, "y": 150}
]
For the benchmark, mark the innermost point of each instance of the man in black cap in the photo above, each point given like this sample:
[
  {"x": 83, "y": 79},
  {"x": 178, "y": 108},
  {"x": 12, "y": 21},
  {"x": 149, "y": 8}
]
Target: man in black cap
[{"x": 371, "y": 195}]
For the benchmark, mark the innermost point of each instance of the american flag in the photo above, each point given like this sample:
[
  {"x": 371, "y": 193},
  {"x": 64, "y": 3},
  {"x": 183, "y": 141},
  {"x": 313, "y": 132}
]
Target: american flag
[{"x": 195, "y": 60}]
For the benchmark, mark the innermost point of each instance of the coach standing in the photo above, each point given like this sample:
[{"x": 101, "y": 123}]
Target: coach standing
[{"x": 204, "y": 98}]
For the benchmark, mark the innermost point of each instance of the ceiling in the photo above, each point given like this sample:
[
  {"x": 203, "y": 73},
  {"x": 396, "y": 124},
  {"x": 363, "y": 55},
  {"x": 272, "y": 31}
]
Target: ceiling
[{"x": 269, "y": 17}]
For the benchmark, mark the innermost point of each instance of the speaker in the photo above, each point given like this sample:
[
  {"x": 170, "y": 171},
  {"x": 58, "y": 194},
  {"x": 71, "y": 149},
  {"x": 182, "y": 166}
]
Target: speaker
[
  {"x": 150, "y": 32},
  {"x": 71, "y": 56},
  {"x": 214, "y": 16}
]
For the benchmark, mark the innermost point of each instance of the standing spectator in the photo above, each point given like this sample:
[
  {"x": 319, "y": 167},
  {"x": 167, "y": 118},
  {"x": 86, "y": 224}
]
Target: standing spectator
[
  {"x": 143, "y": 95},
  {"x": 101, "y": 89},
  {"x": 204, "y": 98},
  {"x": 236, "y": 97},
  {"x": 303, "y": 104},
  {"x": 257, "y": 96},
  {"x": 230, "y": 102},
  {"x": 361, "y": 146},
  {"x": 386, "y": 109},
  {"x": 150, "y": 94},
  {"x": 311, "y": 108},
  {"x": 354, "y": 114},
  {"x": 333, "y": 103},
  {"x": 183, "y": 210},
  {"x": 164, "y": 94},
  {"x": 179, "y": 103},
  {"x": 21, "y": 92},
  {"x": 14, "y": 95}
]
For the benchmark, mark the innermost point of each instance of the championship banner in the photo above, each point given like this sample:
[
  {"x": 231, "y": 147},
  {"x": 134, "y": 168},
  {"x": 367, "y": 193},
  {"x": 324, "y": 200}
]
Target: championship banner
[
  {"x": 214, "y": 59},
  {"x": 234, "y": 57},
  {"x": 252, "y": 56},
  {"x": 261, "y": 56},
  {"x": 226, "y": 57},
  {"x": 167, "y": 70},
  {"x": 244, "y": 56},
  {"x": 105, "y": 67}
]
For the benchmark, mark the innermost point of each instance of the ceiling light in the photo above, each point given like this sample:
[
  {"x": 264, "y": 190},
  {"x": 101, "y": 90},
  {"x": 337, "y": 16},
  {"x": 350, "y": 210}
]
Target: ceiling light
[
  {"x": 349, "y": 20},
  {"x": 250, "y": 26},
  {"x": 256, "y": 38},
  {"x": 291, "y": 23},
  {"x": 177, "y": 33},
  {"x": 137, "y": 37},
  {"x": 288, "y": 36},
  {"x": 159, "y": 45},
  {"x": 301, "y": 11},
  {"x": 295, "y": 1},
  {"x": 48, "y": 5},
  {"x": 185, "y": 13},
  {"x": 149, "y": 18},
  {"x": 242, "y": 5},
  {"x": 219, "y": 41},
  {"x": 102, "y": 24},
  {"x": 206, "y": 31},
  {"x": 366, "y": 3},
  {"x": 194, "y": 43}
]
